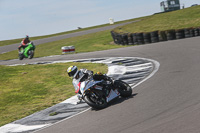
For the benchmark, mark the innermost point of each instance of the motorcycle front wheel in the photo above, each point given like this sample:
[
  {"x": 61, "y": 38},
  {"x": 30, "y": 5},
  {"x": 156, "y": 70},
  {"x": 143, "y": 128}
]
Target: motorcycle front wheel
[
  {"x": 95, "y": 99},
  {"x": 123, "y": 88},
  {"x": 21, "y": 56},
  {"x": 31, "y": 54}
]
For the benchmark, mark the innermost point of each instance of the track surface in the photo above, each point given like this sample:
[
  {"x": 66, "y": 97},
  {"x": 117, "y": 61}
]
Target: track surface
[{"x": 168, "y": 102}]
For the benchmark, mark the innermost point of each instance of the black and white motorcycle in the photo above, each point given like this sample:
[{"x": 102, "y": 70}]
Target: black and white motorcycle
[{"x": 98, "y": 93}]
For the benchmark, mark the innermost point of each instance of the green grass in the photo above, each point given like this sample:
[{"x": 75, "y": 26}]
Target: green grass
[
  {"x": 86, "y": 43},
  {"x": 185, "y": 18},
  {"x": 30, "y": 88}
]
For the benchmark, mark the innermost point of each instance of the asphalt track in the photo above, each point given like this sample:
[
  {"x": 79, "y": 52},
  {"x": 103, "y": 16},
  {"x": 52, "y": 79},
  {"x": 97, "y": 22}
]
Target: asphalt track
[{"x": 168, "y": 102}]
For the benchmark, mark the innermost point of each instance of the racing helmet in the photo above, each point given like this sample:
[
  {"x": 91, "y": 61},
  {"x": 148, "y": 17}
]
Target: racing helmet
[
  {"x": 72, "y": 71},
  {"x": 27, "y": 37}
]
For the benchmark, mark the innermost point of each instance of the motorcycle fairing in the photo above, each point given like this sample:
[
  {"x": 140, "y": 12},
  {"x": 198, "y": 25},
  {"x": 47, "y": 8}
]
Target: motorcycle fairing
[
  {"x": 29, "y": 47},
  {"x": 86, "y": 85},
  {"x": 79, "y": 86}
]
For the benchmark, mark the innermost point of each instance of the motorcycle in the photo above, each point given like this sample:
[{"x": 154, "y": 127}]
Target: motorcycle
[
  {"x": 98, "y": 93},
  {"x": 28, "y": 52}
]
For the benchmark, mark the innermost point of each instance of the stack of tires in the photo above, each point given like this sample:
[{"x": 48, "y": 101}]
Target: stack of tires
[
  {"x": 154, "y": 36},
  {"x": 171, "y": 34},
  {"x": 134, "y": 38},
  {"x": 125, "y": 39},
  {"x": 139, "y": 37},
  {"x": 180, "y": 34},
  {"x": 147, "y": 37},
  {"x": 162, "y": 36},
  {"x": 130, "y": 39},
  {"x": 196, "y": 31}
]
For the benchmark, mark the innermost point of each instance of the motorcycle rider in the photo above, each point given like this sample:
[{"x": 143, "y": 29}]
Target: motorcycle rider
[
  {"x": 78, "y": 77},
  {"x": 82, "y": 75},
  {"x": 24, "y": 43}
]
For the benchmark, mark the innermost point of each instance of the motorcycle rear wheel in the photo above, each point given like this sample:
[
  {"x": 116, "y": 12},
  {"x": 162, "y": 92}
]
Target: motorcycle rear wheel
[
  {"x": 95, "y": 99},
  {"x": 123, "y": 88}
]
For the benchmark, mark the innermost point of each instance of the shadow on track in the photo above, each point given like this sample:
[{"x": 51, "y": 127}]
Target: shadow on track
[{"x": 117, "y": 101}]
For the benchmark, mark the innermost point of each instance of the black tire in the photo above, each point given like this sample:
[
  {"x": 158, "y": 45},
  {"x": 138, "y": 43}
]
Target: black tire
[
  {"x": 140, "y": 38},
  {"x": 123, "y": 88},
  {"x": 187, "y": 36},
  {"x": 170, "y": 37},
  {"x": 122, "y": 40},
  {"x": 114, "y": 36},
  {"x": 154, "y": 39},
  {"x": 21, "y": 56},
  {"x": 147, "y": 38},
  {"x": 31, "y": 54},
  {"x": 162, "y": 36},
  {"x": 119, "y": 39},
  {"x": 187, "y": 33},
  {"x": 146, "y": 35},
  {"x": 96, "y": 103},
  {"x": 196, "y": 32},
  {"x": 130, "y": 39},
  {"x": 171, "y": 34},
  {"x": 179, "y": 37},
  {"x": 125, "y": 39},
  {"x": 179, "y": 33},
  {"x": 154, "y": 34},
  {"x": 146, "y": 41},
  {"x": 135, "y": 41},
  {"x": 192, "y": 32}
]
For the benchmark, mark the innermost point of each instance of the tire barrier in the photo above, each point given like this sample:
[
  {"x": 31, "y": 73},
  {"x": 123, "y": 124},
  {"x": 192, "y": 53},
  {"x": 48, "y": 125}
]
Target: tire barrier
[
  {"x": 130, "y": 39},
  {"x": 147, "y": 37},
  {"x": 154, "y": 36},
  {"x": 171, "y": 34},
  {"x": 125, "y": 39},
  {"x": 180, "y": 34},
  {"x": 196, "y": 32},
  {"x": 139, "y": 37},
  {"x": 162, "y": 36},
  {"x": 134, "y": 36},
  {"x": 188, "y": 32}
]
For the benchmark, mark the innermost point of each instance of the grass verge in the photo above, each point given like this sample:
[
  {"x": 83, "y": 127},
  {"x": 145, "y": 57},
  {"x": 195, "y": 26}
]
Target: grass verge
[
  {"x": 31, "y": 88},
  {"x": 185, "y": 18}
]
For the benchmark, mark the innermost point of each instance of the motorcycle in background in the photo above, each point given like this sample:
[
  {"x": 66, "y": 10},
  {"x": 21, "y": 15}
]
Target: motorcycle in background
[{"x": 28, "y": 52}]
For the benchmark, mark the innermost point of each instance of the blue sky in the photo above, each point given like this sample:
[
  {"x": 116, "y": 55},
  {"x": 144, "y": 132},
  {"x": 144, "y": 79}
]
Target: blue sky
[{"x": 42, "y": 17}]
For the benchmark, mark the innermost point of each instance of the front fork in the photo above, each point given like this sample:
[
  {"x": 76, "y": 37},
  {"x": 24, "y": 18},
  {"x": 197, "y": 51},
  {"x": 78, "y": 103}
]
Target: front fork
[
  {"x": 96, "y": 98},
  {"x": 80, "y": 97}
]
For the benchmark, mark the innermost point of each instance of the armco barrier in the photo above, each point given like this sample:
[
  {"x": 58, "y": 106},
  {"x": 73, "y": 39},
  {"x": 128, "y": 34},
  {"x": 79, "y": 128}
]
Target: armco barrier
[
  {"x": 154, "y": 36},
  {"x": 67, "y": 49}
]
